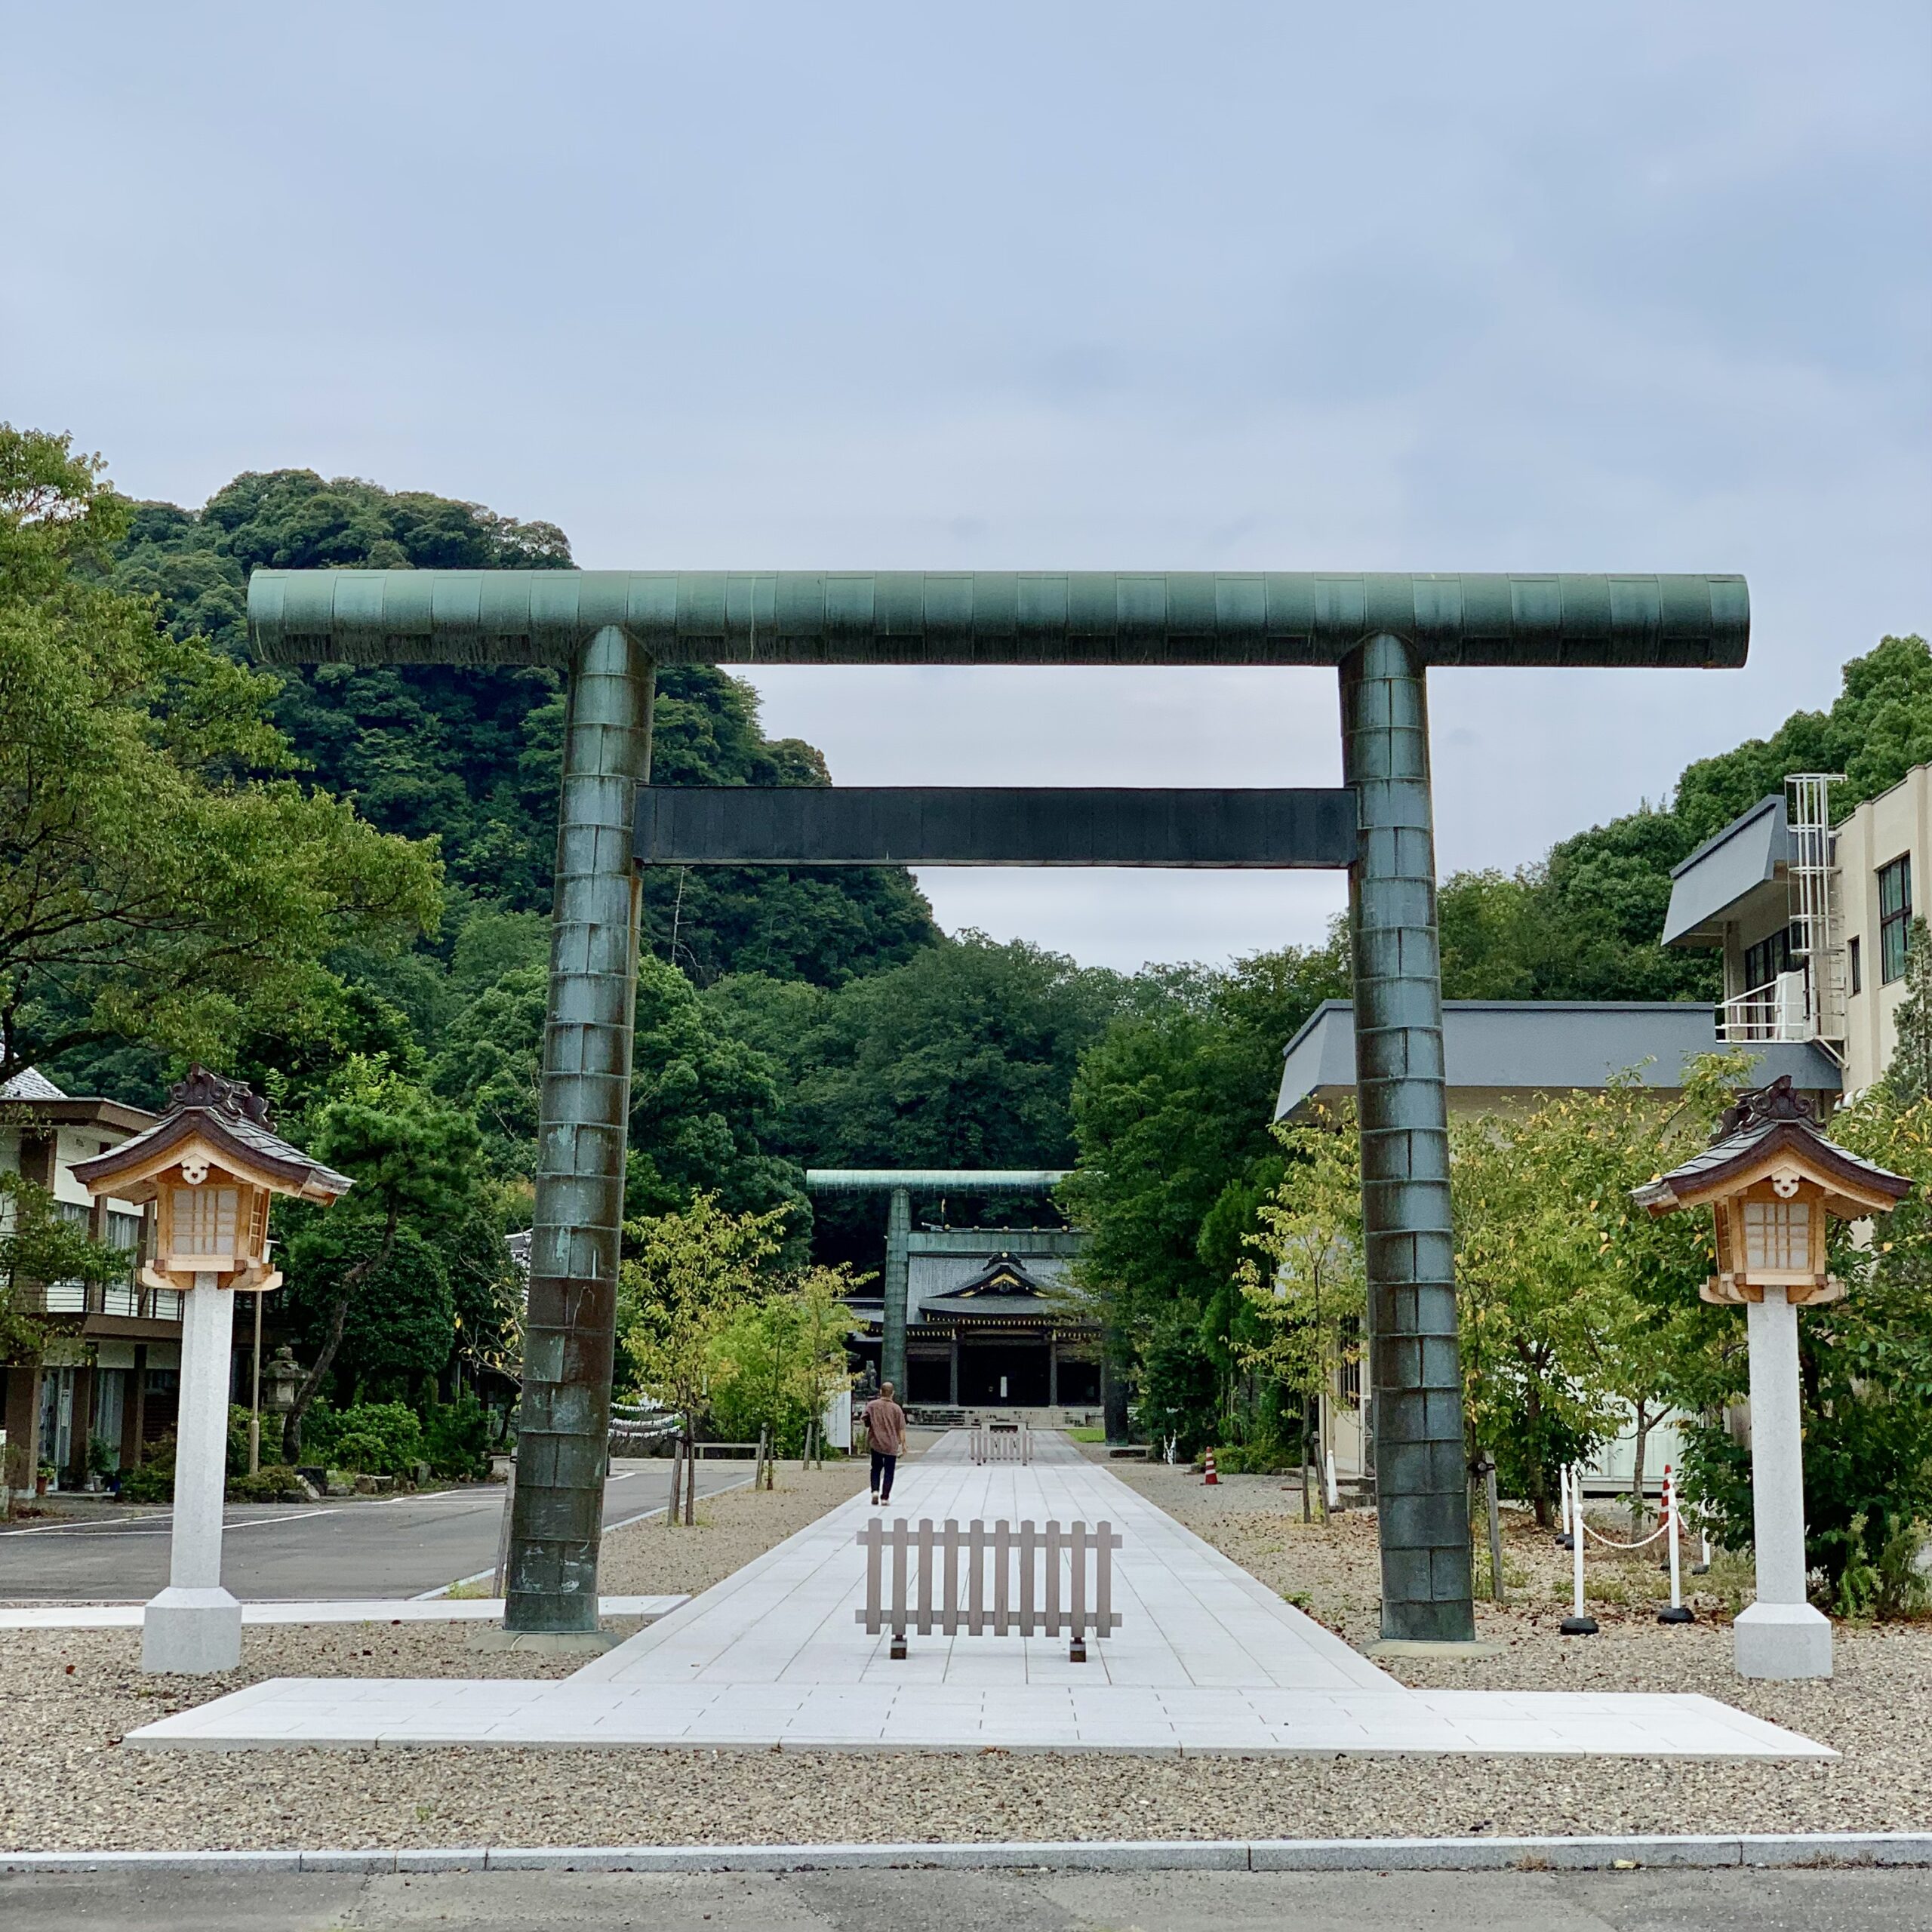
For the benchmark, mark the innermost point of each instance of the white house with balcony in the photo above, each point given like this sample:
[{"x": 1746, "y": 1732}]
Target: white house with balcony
[{"x": 110, "y": 1365}]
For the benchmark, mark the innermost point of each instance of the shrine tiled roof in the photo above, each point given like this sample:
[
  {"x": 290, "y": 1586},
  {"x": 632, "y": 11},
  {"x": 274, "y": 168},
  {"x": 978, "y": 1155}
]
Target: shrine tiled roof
[{"x": 1774, "y": 1120}]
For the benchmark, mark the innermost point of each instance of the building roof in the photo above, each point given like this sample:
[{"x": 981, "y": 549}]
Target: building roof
[
  {"x": 30, "y": 1083},
  {"x": 1729, "y": 867},
  {"x": 1542, "y": 1047},
  {"x": 1005, "y": 1290},
  {"x": 44, "y": 1106}
]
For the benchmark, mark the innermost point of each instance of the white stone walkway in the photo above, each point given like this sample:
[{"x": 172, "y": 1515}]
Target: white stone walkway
[{"x": 1206, "y": 1659}]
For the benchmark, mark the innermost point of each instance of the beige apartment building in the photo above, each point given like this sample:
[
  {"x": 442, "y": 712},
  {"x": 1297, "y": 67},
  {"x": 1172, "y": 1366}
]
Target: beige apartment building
[{"x": 1812, "y": 919}]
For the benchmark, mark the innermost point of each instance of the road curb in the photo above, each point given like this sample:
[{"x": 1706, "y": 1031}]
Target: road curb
[{"x": 1706, "y": 1851}]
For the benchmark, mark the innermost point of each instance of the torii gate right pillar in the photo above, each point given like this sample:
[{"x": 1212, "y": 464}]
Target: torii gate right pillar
[{"x": 1421, "y": 1468}]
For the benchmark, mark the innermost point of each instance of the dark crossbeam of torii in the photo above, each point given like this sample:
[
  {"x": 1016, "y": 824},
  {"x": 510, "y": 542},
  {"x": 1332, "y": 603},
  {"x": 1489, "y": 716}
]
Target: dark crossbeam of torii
[{"x": 610, "y": 629}]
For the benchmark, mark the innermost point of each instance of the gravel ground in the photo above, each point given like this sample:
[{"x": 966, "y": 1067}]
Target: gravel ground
[
  {"x": 63, "y": 1785},
  {"x": 654, "y": 1559}
]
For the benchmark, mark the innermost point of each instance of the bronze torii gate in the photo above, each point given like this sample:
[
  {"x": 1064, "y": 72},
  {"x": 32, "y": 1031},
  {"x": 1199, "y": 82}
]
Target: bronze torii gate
[{"x": 610, "y": 629}]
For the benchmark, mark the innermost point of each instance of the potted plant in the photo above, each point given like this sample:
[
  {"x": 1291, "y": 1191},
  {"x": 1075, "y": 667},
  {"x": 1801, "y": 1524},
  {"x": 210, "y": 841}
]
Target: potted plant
[{"x": 42, "y": 1477}]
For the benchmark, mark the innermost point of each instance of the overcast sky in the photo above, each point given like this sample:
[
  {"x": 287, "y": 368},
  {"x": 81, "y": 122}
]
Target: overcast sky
[{"x": 1192, "y": 286}]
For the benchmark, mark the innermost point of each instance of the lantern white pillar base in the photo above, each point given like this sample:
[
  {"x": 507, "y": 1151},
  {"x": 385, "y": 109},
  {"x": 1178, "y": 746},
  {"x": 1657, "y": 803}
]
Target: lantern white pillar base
[
  {"x": 1780, "y": 1635},
  {"x": 191, "y": 1632},
  {"x": 195, "y": 1625},
  {"x": 1782, "y": 1640}
]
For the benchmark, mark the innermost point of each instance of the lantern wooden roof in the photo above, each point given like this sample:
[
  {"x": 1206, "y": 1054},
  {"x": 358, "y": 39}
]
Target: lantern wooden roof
[
  {"x": 220, "y": 1120},
  {"x": 1774, "y": 1131}
]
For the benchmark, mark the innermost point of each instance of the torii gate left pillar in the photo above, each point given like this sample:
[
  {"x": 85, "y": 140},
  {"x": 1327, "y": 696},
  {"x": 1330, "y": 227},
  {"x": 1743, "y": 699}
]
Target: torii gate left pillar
[
  {"x": 611, "y": 628},
  {"x": 570, "y": 1330}
]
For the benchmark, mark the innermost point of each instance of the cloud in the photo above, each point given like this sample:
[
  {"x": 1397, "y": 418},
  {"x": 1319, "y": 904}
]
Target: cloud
[{"x": 1086, "y": 285}]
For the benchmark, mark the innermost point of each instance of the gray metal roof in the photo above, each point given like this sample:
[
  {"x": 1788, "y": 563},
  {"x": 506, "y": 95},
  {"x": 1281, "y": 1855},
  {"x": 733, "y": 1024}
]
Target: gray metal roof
[
  {"x": 1727, "y": 868},
  {"x": 1542, "y": 1047}
]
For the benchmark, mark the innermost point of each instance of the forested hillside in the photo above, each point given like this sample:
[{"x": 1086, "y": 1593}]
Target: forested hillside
[
  {"x": 470, "y": 757},
  {"x": 334, "y": 883}
]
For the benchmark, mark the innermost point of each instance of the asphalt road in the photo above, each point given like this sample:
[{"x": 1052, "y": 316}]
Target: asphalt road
[
  {"x": 385, "y": 1546},
  {"x": 1729, "y": 1901}
]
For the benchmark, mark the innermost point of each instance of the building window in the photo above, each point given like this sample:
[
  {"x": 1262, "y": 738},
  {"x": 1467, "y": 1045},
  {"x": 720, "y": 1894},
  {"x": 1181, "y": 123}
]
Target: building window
[
  {"x": 1766, "y": 960},
  {"x": 1349, "y": 1380},
  {"x": 1894, "y": 916},
  {"x": 1857, "y": 969}
]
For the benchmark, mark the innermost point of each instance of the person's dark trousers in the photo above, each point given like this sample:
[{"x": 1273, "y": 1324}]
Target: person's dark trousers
[{"x": 883, "y": 1468}]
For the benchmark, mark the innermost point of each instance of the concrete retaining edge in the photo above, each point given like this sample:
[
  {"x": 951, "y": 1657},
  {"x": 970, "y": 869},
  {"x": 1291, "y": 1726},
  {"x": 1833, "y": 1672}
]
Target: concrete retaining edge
[{"x": 1473, "y": 1854}]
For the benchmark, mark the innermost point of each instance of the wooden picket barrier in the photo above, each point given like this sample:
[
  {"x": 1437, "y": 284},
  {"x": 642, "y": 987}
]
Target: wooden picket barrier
[
  {"x": 1002, "y": 1445},
  {"x": 939, "y": 1592}
]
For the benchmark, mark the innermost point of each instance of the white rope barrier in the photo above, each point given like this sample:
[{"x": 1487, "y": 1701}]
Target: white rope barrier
[
  {"x": 1610, "y": 1542},
  {"x": 1578, "y": 1623}
]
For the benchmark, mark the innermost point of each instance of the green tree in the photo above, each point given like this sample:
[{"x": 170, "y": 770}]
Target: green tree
[
  {"x": 1541, "y": 1316},
  {"x": 1302, "y": 1275},
  {"x": 399, "y": 1319},
  {"x": 1171, "y": 1110},
  {"x": 39, "y": 1244},
  {"x": 704, "y": 1104},
  {"x": 1584, "y": 922},
  {"x": 472, "y": 757},
  {"x": 1909, "y": 1074},
  {"x": 410, "y": 1156},
  {"x": 777, "y": 1363},
  {"x": 162, "y": 877},
  {"x": 964, "y": 1057},
  {"x": 689, "y": 1276}
]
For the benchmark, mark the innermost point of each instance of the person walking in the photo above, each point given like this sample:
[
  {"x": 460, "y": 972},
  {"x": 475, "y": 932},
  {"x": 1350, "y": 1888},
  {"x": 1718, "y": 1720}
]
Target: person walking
[{"x": 885, "y": 1429}]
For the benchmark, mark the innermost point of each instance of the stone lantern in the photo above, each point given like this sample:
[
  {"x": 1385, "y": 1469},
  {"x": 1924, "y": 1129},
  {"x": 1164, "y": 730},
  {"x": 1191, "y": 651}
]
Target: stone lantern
[
  {"x": 211, "y": 1164},
  {"x": 1771, "y": 1180},
  {"x": 282, "y": 1377}
]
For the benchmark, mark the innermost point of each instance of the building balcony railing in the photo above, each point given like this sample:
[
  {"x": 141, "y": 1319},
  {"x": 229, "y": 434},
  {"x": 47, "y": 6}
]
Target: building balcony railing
[
  {"x": 130, "y": 1298},
  {"x": 1780, "y": 1010}
]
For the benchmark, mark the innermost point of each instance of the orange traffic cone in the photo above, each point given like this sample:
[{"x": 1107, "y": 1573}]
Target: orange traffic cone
[{"x": 1210, "y": 1478}]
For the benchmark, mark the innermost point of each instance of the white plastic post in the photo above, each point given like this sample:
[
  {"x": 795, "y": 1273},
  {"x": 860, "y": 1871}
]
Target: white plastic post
[
  {"x": 1328, "y": 1476},
  {"x": 1569, "y": 1528},
  {"x": 1573, "y": 1497},
  {"x": 1781, "y": 1635},
  {"x": 1670, "y": 1512},
  {"x": 194, "y": 1626}
]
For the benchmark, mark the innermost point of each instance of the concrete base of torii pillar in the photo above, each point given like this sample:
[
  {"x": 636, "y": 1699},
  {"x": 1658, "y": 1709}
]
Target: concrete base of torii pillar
[
  {"x": 1781, "y": 1635},
  {"x": 193, "y": 1628}
]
